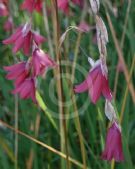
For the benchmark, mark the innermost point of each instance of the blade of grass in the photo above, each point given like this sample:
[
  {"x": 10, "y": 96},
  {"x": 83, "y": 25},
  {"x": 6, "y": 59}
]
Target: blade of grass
[
  {"x": 63, "y": 129},
  {"x": 120, "y": 55},
  {"x": 44, "y": 108},
  {"x": 43, "y": 145}
]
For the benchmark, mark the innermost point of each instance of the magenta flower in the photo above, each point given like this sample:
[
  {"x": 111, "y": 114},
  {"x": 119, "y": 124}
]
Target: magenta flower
[
  {"x": 27, "y": 89},
  {"x": 63, "y": 5},
  {"x": 3, "y": 9},
  {"x": 23, "y": 38},
  {"x": 24, "y": 84},
  {"x": 96, "y": 82},
  {"x": 18, "y": 72},
  {"x": 113, "y": 147},
  {"x": 41, "y": 61},
  {"x": 32, "y": 5}
]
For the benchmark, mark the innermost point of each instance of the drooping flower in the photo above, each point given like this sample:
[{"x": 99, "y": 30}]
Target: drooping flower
[
  {"x": 96, "y": 82},
  {"x": 27, "y": 89},
  {"x": 32, "y": 5},
  {"x": 113, "y": 146},
  {"x": 41, "y": 61},
  {"x": 8, "y": 25},
  {"x": 3, "y": 9},
  {"x": 18, "y": 72},
  {"x": 23, "y": 38},
  {"x": 23, "y": 82}
]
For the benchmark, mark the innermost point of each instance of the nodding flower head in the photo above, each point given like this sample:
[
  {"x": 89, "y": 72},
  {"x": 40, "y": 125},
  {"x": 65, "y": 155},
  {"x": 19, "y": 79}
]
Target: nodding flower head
[
  {"x": 27, "y": 89},
  {"x": 41, "y": 61},
  {"x": 23, "y": 38},
  {"x": 23, "y": 82},
  {"x": 113, "y": 146},
  {"x": 96, "y": 82}
]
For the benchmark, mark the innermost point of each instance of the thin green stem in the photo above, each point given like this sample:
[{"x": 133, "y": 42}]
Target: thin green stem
[
  {"x": 126, "y": 91},
  {"x": 63, "y": 130}
]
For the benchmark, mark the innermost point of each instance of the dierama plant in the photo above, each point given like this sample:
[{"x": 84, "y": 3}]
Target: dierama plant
[{"x": 25, "y": 73}]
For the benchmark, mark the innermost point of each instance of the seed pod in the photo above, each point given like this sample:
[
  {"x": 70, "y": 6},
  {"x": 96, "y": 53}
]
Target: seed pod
[{"x": 95, "y": 6}]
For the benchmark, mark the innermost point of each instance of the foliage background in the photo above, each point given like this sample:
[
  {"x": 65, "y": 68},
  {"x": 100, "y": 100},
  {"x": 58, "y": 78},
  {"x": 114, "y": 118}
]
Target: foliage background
[{"x": 35, "y": 122}]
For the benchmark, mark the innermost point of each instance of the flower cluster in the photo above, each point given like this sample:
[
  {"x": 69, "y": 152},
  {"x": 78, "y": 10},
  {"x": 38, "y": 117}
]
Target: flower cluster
[
  {"x": 25, "y": 73},
  {"x": 97, "y": 84}
]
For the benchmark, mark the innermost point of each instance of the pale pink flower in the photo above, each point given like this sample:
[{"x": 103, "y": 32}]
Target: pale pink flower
[
  {"x": 84, "y": 26},
  {"x": 113, "y": 146},
  {"x": 23, "y": 38},
  {"x": 3, "y": 9},
  {"x": 32, "y": 5},
  {"x": 41, "y": 61},
  {"x": 64, "y": 4},
  {"x": 96, "y": 82}
]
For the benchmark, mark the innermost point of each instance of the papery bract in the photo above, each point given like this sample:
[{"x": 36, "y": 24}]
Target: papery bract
[
  {"x": 41, "y": 61},
  {"x": 113, "y": 146},
  {"x": 96, "y": 83}
]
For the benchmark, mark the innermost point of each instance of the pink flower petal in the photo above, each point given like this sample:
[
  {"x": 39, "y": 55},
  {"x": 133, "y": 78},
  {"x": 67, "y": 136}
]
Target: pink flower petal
[
  {"x": 38, "y": 38},
  {"x": 13, "y": 37},
  {"x": 95, "y": 90},
  {"x": 106, "y": 90},
  {"x": 27, "y": 43}
]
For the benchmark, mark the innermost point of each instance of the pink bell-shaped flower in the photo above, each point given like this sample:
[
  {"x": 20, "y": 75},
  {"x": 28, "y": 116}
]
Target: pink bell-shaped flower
[
  {"x": 27, "y": 89},
  {"x": 113, "y": 146},
  {"x": 96, "y": 82},
  {"x": 23, "y": 38},
  {"x": 41, "y": 61}
]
